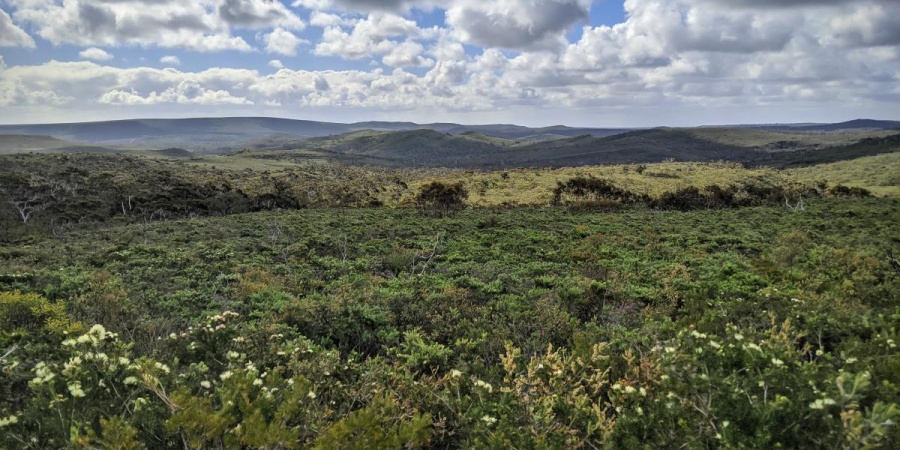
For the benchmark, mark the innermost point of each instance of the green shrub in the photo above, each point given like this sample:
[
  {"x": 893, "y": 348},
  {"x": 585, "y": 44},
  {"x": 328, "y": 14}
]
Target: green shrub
[
  {"x": 33, "y": 316},
  {"x": 591, "y": 193},
  {"x": 442, "y": 198}
]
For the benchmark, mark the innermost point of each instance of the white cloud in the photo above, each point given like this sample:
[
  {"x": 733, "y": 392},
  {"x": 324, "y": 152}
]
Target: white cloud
[
  {"x": 168, "y": 23},
  {"x": 96, "y": 54},
  {"x": 322, "y": 19},
  {"x": 407, "y": 54},
  {"x": 11, "y": 35},
  {"x": 259, "y": 14},
  {"x": 282, "y": 42},
  {"x": 667, "y": 58},
  {"x": 516, "y": 24},
  {"x": 369, "y": 37},
  {"x": 170, "y": 60},
  {"x": 188, "y": 91}
]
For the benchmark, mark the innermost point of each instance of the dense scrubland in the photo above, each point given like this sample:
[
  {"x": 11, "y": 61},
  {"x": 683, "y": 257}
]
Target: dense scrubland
[{"x": 158, "y": 303}]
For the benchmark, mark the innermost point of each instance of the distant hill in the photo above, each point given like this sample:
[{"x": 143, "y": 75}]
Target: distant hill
[
  {"x": 172, "y": 153},
  {"x": 16, "y": 143},
  {"x": 222, "y": 134},
  {"x": 430, "y": 148},
  {"x": 634, "y": 147},
  {"x": 804, "y": 158},
  {"x": 858, "y": 124},
  {"x": 409, "y": 144}
]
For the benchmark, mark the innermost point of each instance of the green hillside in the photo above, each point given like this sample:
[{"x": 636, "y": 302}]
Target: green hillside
[{"x": 279, "y": 299}]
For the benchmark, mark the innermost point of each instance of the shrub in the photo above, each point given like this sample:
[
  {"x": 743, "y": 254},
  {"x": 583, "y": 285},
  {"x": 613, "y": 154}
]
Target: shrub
[
  {"x": 684, "y": 199},
  {"x": 586, "y": 192},
  {"x": 33, "y": 315},
  {"x": 849, "y": 191},
  {"x": 442, "y": 198}
]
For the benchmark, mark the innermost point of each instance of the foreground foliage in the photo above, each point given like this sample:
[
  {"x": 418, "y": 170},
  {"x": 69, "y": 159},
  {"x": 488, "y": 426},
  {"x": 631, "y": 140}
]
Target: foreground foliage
[{"x": 753, "y": 327}]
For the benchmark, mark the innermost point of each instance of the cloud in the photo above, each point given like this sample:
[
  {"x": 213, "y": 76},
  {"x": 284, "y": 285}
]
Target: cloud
[
  {"x": 323, "y": 19},
  {"x": 407, "y": 54},
  {"x": 369, "y": 37},
  {"x": 170, "y": 60},
  {"x": 867, "y": 24},
  {"x": 282, "y": 42},
  {"x": 364, "y": 5},
  {"x": 780, "y": 4},
  {"x": 11, "y": 35},
  {"x": 259, "y": 14},
  {"x": 516, "y": 24},
  {"x": 188, "y": 91},
  {"x": 95, "y": 54},
  {"x": 669, "y": 59},
  {"x": 167, "y": 24}
]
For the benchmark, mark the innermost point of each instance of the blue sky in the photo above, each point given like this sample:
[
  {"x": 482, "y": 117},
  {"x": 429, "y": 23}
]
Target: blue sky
[{"x": 534, "y": 62}]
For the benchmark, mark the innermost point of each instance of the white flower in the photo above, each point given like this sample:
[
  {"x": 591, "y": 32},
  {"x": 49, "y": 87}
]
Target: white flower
[
  {"x": 130, "y": 380},
  {"x": 739, "y": 336},
  {"x": 232, "y": 355},
  {"x": 226, "y": 375},
  {"x": 777, "y": 362},
  {"x": 311, "y": 394},
  {"x": 6, "y": 421},
  {"x": 489, "y": 420},
  {"x": 455, "y": 373},
  {"x": 257, "y": 382},
  {"x": 630, "y": 390},
  {"x": 670, "y": 349},
  {"x": 486, "y": 386},
  {"x": 75, "y": 389},
  {"x": 206, "y": 384},
  {"x": 851, "y": 360}
]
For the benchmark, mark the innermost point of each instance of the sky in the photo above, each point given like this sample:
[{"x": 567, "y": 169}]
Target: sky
[{"x": 601, "y": 63}]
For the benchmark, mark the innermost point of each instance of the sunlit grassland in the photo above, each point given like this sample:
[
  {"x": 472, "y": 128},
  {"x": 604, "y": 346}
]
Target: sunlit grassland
[
  {"x": 535, "y": 186},
  {"x": 760, "y": 138},
  {"x": 879, "y": 174}
]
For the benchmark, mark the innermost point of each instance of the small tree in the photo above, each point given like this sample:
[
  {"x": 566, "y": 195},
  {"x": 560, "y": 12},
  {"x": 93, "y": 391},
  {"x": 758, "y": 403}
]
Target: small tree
[
  {"x": 442, "y": 198},
  {"x": 591, "y": 192}
]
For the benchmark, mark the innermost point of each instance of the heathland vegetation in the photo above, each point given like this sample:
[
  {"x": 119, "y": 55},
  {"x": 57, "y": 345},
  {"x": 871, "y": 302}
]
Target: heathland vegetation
[{"x": 281, "y": 299}]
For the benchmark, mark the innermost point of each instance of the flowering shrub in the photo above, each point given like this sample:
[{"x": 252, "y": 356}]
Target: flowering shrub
[{"x": 545, "y": 329}]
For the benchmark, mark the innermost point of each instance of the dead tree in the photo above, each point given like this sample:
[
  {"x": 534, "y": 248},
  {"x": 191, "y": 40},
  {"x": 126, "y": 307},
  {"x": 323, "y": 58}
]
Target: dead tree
[
  {"x": 798, "y": 207},
  {"x": 26, "y": 204}
]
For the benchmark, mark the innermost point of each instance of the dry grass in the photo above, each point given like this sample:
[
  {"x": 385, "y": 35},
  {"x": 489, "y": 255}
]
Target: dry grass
[
  {"x": 240, "y": 163},
  {"x": 879, "y": 174},
  {"x": 760, "y": 138},
  {"x": 532, "y": 187}
]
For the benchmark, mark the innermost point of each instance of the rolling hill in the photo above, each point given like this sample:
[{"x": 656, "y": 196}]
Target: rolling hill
[
  {"x": 228, "y": 134},
  {"x": 16, "y": 143}
]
